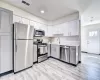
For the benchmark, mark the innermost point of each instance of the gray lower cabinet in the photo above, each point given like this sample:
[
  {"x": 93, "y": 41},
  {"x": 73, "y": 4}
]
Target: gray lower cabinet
[
  {"x": 55, "y": 51},
  {"x": 49, "y": 50},
  {"x": 35, "y": 53},
  {"x": 79, "y": 53},
  {"x": 5, "y": 53}
]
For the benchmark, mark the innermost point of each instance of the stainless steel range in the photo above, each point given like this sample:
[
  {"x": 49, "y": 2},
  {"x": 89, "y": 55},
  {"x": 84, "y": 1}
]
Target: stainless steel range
[{"x": 42, "y": 52}]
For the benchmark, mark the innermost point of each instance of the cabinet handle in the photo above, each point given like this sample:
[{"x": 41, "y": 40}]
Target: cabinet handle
[{"x": 70, "y": 33}]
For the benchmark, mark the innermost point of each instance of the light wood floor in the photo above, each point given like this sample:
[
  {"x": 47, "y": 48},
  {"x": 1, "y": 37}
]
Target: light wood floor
[{"x": 52, "y": 69}]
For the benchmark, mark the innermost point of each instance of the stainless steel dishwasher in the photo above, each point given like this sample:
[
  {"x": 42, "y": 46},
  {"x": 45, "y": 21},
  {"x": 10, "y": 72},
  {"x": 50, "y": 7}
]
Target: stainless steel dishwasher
[
  {"x": 65, "y": 53},
  {"x": 74, "y": 55}
]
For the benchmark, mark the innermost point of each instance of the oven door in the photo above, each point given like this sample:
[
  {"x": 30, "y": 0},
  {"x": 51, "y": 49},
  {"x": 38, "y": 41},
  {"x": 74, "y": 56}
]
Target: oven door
[{"x": 42, "y": 49}]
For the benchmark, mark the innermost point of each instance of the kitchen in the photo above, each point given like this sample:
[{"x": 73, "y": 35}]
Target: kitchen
[{"x": 29, "y": 42}]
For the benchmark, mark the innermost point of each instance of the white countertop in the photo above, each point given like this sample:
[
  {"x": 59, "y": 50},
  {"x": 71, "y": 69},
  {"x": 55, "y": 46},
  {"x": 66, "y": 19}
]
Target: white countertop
[{"x": 68, "y": 43}]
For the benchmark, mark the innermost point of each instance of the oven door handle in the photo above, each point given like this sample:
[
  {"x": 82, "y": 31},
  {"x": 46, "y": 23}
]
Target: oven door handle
[{"x": 42, "y": 46}]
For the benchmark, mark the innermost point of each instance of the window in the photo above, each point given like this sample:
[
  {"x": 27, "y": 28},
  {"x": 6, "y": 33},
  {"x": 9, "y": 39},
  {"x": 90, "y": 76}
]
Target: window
[{"x": 93, "y": 33}]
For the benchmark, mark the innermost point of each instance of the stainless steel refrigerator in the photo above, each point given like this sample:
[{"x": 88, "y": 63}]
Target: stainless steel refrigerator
[{"x": 23, "y": 46}]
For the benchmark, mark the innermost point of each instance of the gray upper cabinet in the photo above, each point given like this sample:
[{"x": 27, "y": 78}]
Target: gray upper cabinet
[{"x": 6, "y": 19}]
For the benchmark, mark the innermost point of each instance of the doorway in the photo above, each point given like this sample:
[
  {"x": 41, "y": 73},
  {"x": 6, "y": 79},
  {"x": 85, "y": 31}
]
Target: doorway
[
  {"x": 90, "y": 39},
  {"x": 93, "y": 41}
]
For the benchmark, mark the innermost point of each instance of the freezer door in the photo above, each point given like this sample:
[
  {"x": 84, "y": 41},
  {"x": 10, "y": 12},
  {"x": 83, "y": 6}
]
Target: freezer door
[
  {"x": 31, "y": 32},
  {"x": 29, "y": 55},
  {"x": 20, "y": 31},
  {"x": 19, "y": 55}
]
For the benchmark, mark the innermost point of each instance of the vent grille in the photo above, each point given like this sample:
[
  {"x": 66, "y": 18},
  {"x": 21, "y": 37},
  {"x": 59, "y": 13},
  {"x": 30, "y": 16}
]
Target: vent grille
[{"x": 26, "y": 3}]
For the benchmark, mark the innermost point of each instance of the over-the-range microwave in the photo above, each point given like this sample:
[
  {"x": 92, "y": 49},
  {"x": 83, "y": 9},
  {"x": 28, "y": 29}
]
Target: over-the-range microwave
[{"x": 39, "y": 33}]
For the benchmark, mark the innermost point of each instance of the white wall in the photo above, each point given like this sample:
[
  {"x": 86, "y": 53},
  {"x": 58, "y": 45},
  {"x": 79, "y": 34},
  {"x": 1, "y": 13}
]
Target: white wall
[
  {"x": 22, "y": 13},
  {"x": 84, "y": 39},
  {"x": 67, "y": 18},
  {"x": 84, "y": 31},
  {"x": 92, "y": 11}
]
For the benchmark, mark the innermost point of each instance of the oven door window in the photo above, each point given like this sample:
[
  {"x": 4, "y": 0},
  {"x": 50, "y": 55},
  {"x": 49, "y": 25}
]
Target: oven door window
[{"x": 42, "y": 49}]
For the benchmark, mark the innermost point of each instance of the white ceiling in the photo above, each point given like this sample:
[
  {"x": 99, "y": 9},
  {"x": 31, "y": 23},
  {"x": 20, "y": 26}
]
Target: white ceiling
[{"x": 54, "y": 9}]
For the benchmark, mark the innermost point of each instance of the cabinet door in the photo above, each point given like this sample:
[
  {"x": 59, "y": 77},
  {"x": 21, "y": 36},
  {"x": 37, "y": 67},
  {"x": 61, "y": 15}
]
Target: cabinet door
[
  {"x": 32, "y": 23},
  {"x": 25, "y": 21},
  {"x": 60, "y": 29},
  {"x": 50, "y": 31},
  {"x": 17, "y": 19},
  {"x": 56, "y": 29},
  {"x": 49, "y": 50},
  {"x": 5, "y": 53},
  {"x": 35, "y": 53},
  {"x": 73, "y": 28},
  {"x": 37, "y": 25},
  {"x": 6, "y": 20},
  {"x": 65, "y": 29},
  {"x": 45, "y": 28},
  {"x": 55, "y": 51}
]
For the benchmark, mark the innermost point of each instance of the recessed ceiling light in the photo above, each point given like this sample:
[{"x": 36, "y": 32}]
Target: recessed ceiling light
[{"x": 42, "y": 11}]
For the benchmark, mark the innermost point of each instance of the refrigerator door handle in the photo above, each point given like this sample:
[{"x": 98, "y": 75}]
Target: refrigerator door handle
[
  {"x": 15, "y": 40},
  {"x": 0, "y": 20},
  {"x": 16, "y": 45}
]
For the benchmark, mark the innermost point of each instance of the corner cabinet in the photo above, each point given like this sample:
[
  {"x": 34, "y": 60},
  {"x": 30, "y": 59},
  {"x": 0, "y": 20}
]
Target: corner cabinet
[
  {"x": 55, "y": 51},
  {"x": 6, "y": 21}
]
